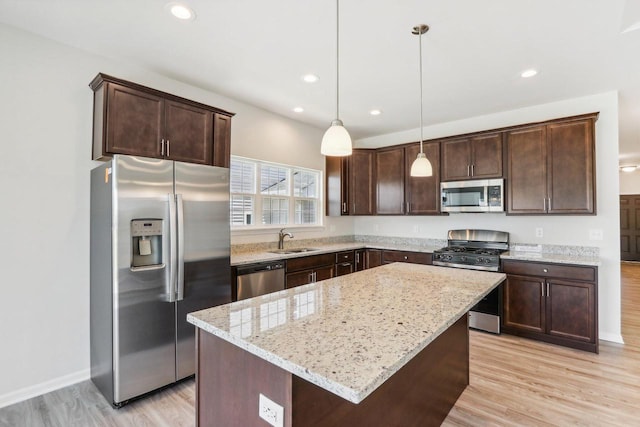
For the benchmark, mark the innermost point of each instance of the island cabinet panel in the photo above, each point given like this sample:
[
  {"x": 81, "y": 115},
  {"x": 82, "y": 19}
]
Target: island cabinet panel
[
  {"x": 472, "y": 157},
  {"x": 229, "y": 381},
  {"x": 136, "y": 120},
  {"x": 309, "y": 269},
  {"x": 389, "y": 256},
  {"x": 390, "y": 181},
  {"x": 552, "y": 302},
  {"x": 422, "y": 194},
  {"x": 551, "y": 167}
]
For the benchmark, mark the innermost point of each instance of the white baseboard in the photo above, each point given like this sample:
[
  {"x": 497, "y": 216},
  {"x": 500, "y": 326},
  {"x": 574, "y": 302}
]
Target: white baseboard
[
  {"x": 42, "y": 388},
  {"x": 607, "y": 336}
]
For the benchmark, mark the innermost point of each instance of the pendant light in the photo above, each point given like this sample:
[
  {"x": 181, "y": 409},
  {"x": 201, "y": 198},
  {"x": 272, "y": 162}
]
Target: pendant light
[
  {"x": 421, "y": 165},
  {"x": 336, "y": 140}
]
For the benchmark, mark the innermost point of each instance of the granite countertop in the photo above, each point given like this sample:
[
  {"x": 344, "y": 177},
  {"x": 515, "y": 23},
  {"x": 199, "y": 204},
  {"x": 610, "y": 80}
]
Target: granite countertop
[
  {"x": 350, "y": 333},
  {"x": 569, "y": 254},
  {"x": 552, "y": 258}
]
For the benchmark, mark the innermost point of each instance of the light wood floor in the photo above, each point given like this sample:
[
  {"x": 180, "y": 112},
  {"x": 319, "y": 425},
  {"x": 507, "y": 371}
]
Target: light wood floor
[{"x": 514, "y": 382}]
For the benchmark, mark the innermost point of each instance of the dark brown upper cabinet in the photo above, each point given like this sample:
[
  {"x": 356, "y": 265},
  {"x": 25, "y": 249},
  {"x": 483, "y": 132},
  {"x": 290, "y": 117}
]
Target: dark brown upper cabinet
[
  {"x": 472, "y": 157},
  {"x": 551, "y": 167},
  {"x": 132, "y": 119},
  {"x": 398, "y": 193},
  {"x": 350, "y": 184}
]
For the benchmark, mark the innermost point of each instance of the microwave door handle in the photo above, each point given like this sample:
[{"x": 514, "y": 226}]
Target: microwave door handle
[{"x": 180, "y": 248}]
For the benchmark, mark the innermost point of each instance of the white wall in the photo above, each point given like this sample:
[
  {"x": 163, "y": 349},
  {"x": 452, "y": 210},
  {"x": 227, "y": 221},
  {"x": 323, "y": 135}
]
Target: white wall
[
  {"x": 558, "y": 230},
  {"x": 46, "y": 113},
  {"x": 630, "y": 182}
]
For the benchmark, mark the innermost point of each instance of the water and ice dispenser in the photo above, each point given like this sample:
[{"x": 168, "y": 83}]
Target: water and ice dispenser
[{"x": 146, "y": 244}]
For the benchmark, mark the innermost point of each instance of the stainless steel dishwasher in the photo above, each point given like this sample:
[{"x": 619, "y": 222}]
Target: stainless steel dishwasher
[{"x": 259, "y": 279}]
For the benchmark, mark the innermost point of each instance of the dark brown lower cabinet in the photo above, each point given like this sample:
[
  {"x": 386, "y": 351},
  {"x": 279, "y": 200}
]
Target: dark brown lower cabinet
[
  {"x": 389, "y": 256},
  {"x": 345, "y": 263},
  {"x": 374, "y": 258},
  {"x": 309, "y": 269},
  {"x": 552, "y": 302}
]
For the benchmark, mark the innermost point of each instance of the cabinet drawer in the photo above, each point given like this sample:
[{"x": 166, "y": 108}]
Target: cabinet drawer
[
  {"x": 561, "y": 271},
  {"x": 404, "y": 256},
  {"x": 346, "y": 256},
  {"x": 313, "y": 261}
]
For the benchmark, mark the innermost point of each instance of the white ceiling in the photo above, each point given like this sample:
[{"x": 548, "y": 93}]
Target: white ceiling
[{"x": 256, "y": 51}]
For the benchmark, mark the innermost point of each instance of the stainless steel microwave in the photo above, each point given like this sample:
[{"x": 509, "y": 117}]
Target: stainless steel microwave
[{"x": 480, "y": 195}]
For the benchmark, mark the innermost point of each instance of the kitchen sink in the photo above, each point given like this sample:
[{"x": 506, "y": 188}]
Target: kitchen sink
[{"x": 293, "y": 251}]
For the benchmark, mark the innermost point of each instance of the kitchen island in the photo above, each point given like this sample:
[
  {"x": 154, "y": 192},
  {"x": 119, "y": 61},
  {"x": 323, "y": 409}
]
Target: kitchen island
[{"x": 385, "y": 346}]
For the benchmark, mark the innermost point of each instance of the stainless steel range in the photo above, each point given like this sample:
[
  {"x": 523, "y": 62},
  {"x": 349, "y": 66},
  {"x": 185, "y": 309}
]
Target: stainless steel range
[{"x": 477, "y": 250}]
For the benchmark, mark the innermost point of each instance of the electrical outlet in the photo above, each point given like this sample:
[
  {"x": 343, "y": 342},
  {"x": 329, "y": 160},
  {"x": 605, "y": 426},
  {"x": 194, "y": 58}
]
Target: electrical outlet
[
  {"x": 595, "y": 234},
  {"x": 270, "y": 411},
  {"x": 539, "y": 232}
]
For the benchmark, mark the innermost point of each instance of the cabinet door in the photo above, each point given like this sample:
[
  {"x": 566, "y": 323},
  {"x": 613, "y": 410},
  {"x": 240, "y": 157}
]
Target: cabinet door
[
  {"x": 374, "y": 258},
  {"x": 389, "y": 256},
  {"x": 527, "y": 170},
  {"x": 134, "y": 122},
  {"x": 362, "y": 185},
  {"x": 337, "y": 185},
  {"x": 486, "y": 156},
  {"x": 571, "y": 176},
  {"x": 524, "y": 307},
  {"x": 188, "y": 133},
  {"x": 423, "y": 193},
  {"x": 221, "y": 140},
  {"x": 324, "y": 273},
  {"x": 360, "y": 262},
  {"x": 390, "y": 181},
  {"x": 456, "y": 159},
  {"x": 298, "y": 278},
  {"x": 571, "y": 310}
]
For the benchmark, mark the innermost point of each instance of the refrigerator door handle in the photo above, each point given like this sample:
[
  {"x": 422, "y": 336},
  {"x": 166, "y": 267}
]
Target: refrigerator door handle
[
  {"x": 172, "y": 249},
  {"x": 180, "y": 258}
]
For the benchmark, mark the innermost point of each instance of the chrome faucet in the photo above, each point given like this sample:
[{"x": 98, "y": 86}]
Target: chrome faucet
[{"x": 281, "y": 236}]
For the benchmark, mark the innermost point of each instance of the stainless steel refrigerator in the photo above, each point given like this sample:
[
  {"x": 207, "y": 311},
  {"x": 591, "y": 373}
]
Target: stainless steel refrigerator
[{"x": 159, "y": 250}]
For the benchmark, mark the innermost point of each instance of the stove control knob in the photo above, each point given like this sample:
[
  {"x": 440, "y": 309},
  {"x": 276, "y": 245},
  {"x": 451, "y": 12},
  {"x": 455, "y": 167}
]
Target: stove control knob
[
  {"x": 463, "y": 258},
  {"x": 488, "y": 261},
  {"x": 480, "y": 260}
]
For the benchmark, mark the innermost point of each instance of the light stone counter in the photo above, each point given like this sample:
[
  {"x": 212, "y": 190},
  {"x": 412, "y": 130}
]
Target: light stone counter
[
  {"x": 552, "y": 258},
  {"x": 350, "y": 334},
  {"x": 250, "y": 257}
]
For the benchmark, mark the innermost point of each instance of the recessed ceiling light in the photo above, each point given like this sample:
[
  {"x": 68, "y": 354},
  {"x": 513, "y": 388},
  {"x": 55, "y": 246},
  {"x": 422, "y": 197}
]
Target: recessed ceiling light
[
  {"x": 298, "y": 110},
  {"x": 181, "y": 11},
  {"x": 375, "y": 112},
  {"x": 529, "y": 73},
  {"x": 628, "y": 168},
  {"x": 310, "y": 78}
]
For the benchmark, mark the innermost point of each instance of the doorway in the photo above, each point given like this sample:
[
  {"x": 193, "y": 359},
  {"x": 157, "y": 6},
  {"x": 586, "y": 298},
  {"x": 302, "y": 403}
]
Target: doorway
[{"x": 630, "y": 227}]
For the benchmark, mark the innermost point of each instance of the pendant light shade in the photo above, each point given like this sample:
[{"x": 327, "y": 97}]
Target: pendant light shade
[
  {"x": 421, "y": 165},
  {"x": 336, "y": 140}
]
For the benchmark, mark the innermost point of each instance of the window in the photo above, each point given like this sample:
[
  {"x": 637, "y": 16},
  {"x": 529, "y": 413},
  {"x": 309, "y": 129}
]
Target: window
[{"x": 265, "y": 194}]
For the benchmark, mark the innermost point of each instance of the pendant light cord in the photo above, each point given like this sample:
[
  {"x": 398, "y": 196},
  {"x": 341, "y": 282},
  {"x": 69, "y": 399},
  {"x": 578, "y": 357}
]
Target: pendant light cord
[
  {"x": 421, "y": 102},
  {"x": 337, "y": 59}
]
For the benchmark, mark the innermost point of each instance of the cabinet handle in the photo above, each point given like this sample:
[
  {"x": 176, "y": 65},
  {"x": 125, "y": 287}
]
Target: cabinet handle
[
  {"x": 162, "y": 147},
  {"x": 549, "y": 203},
  {"x": 406, "y": 257},
  {"x": 408, "y": 207},
  {"x": 168, "y": 148},
  {"x": 545, "y": 270},
  {"x": 345, "y": 264},
  {"x": 468, "y": 170},
  {"x": 344, "y": 207},
  {"x": 310, "y": 277},
  {"x": 354, "y": 207},
  {"x": 473, "y": 170},
  {"x": 547, "y": 289},
  {"x": 544, "y": 204},
  {"x": 542, "y": 289},
  {"x": 358, "y": 257}
]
